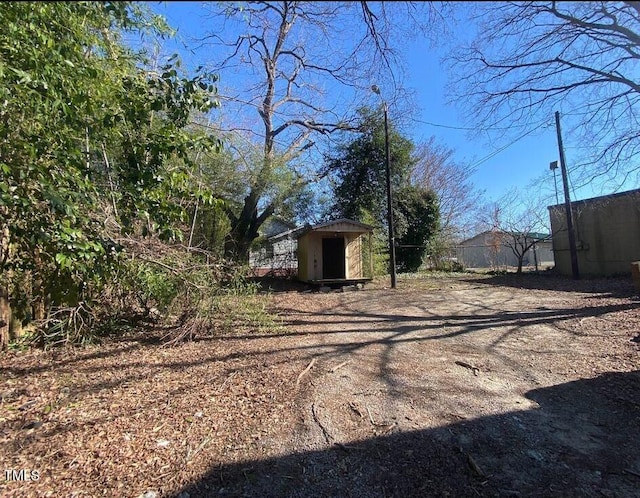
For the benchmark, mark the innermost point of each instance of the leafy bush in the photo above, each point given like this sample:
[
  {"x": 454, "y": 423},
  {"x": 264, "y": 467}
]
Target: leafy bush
[
  {"x": 449, "y": 265},
  {"x": 155, "y": 286}
]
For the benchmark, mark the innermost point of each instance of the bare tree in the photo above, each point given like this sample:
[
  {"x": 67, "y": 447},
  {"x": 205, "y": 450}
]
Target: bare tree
[
  {"x": 518, "y": 222},
  {"x": 436, "y": 170},
  {"x": 303, "y": 67},
  {"x": 530, "y": 59},
  {"x": 458, "y": 199}
]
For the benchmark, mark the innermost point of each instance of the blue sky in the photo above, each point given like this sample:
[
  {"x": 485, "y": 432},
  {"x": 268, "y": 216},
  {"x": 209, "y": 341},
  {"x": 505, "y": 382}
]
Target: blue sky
[{"x": 501, "y": 164}]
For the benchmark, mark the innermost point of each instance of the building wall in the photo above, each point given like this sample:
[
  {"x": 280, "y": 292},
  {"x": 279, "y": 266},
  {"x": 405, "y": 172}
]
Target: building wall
[
  {"x": 289, "y": 253},
  {"x": 314, "y": 253},
  {"x": 303, "y": 258},
  {"x": 279, "y": 257},
  {"x": 354, "y": 256},
  {"x": 607, "y": 234},
  {"x": 310, "y": 254},
  {"x": 544, "y": 253},
  {"x": 487, "y": 250}
]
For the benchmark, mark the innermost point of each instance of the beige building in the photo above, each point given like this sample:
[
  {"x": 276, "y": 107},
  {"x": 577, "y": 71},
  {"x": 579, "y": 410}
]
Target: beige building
[
  {"x": 326, "y": 253},
  {"x": 332, "y": 252},
  {"x": 607, "y": 233}
]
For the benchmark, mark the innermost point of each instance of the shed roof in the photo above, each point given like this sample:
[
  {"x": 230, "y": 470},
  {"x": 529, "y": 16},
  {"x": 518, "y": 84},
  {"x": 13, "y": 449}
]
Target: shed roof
[
  {"x": 276, "y": 225},
  {"x": 343, "y": 225},
  {"x": 542, "y": 237}
]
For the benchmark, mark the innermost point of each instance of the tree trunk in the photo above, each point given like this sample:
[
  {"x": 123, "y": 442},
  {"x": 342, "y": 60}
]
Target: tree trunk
[
  {"x": 5, "y": 317},
  {"x": 240, "y": 238},
  {"x": 38, "y": 289},
  {"x": 237, "y": 247},
  {"x": 244, "y": 229},
  {"x": 5, "y": 310},
  {"x": 15, "y": 326}
]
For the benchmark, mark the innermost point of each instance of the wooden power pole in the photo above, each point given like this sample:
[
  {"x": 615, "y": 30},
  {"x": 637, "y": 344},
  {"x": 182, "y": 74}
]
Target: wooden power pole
[{"x": 567, "y": 204}]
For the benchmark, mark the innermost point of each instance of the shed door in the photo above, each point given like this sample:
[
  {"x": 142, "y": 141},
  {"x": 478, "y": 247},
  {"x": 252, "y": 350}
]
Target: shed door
[{"x": 333, "y": 258}]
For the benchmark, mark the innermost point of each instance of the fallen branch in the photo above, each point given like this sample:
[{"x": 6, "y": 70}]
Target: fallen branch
[
  {"x": 347, "y": 448},
  {"x": 464, "y": 364},
  {"x": 386, "y": 425},
  {"x": 476, "y": 468},
  {"x": 632, "y": 472},
  {"x": 355, "y": 409},
  {"x": 309, "y": 366},
  {"x": 233, "y": 374},
  {"x": 370, "y": 417},
  {"x": 328, "y": 437},
  {"x": 627, "y": 400},
  {"x": 191, "y": 455},
  {"x": 333, "y": 370}
]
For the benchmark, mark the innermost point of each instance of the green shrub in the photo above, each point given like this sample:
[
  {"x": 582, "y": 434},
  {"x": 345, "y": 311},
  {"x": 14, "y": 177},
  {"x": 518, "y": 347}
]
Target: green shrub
[
  {"x": 155, "y": 286},
  {"x": 449, "y": 265}
]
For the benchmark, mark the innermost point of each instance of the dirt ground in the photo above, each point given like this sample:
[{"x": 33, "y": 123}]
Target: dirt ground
[{"x": 456, "y": 386}]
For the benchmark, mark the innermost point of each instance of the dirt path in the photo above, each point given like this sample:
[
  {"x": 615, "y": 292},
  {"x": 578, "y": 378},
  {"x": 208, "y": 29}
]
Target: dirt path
[{"x": 446, "y": 387}]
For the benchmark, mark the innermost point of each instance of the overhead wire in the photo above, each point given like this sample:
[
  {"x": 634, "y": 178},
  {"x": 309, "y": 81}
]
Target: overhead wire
[
  {"x": 501, "y": 149},
  {"x": 443, "y": 126},
  {"x": 492, "y": 154}
]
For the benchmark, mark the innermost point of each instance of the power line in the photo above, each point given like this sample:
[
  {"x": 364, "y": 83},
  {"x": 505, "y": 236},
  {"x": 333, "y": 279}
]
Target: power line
[
  {"x": 496, "y": 152},
  {"x": 463, "y": 128},
  {"x": 444, "y": 126}
]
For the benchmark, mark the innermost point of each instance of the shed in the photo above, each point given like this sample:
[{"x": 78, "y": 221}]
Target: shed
[
  {"x": 327, "y": 254},
  {"x": 331, "y": 252}
]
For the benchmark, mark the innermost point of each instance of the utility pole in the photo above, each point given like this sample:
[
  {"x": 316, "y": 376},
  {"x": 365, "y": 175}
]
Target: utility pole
[
  {"x": 392, "y": 242},
  {"x": 567, "y": 204}
]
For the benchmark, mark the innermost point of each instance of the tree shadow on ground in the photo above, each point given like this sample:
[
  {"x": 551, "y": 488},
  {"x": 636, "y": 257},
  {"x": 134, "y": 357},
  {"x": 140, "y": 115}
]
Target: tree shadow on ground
[
  {"x": 612, "y": 287},
  {"x": 581, "y": 440},
  {"x": 272, "y": 284},
  {"x": 391, "y": 328}
]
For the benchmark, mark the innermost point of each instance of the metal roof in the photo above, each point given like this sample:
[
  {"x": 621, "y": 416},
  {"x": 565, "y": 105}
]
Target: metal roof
[{"x": 321, "y": 227}]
